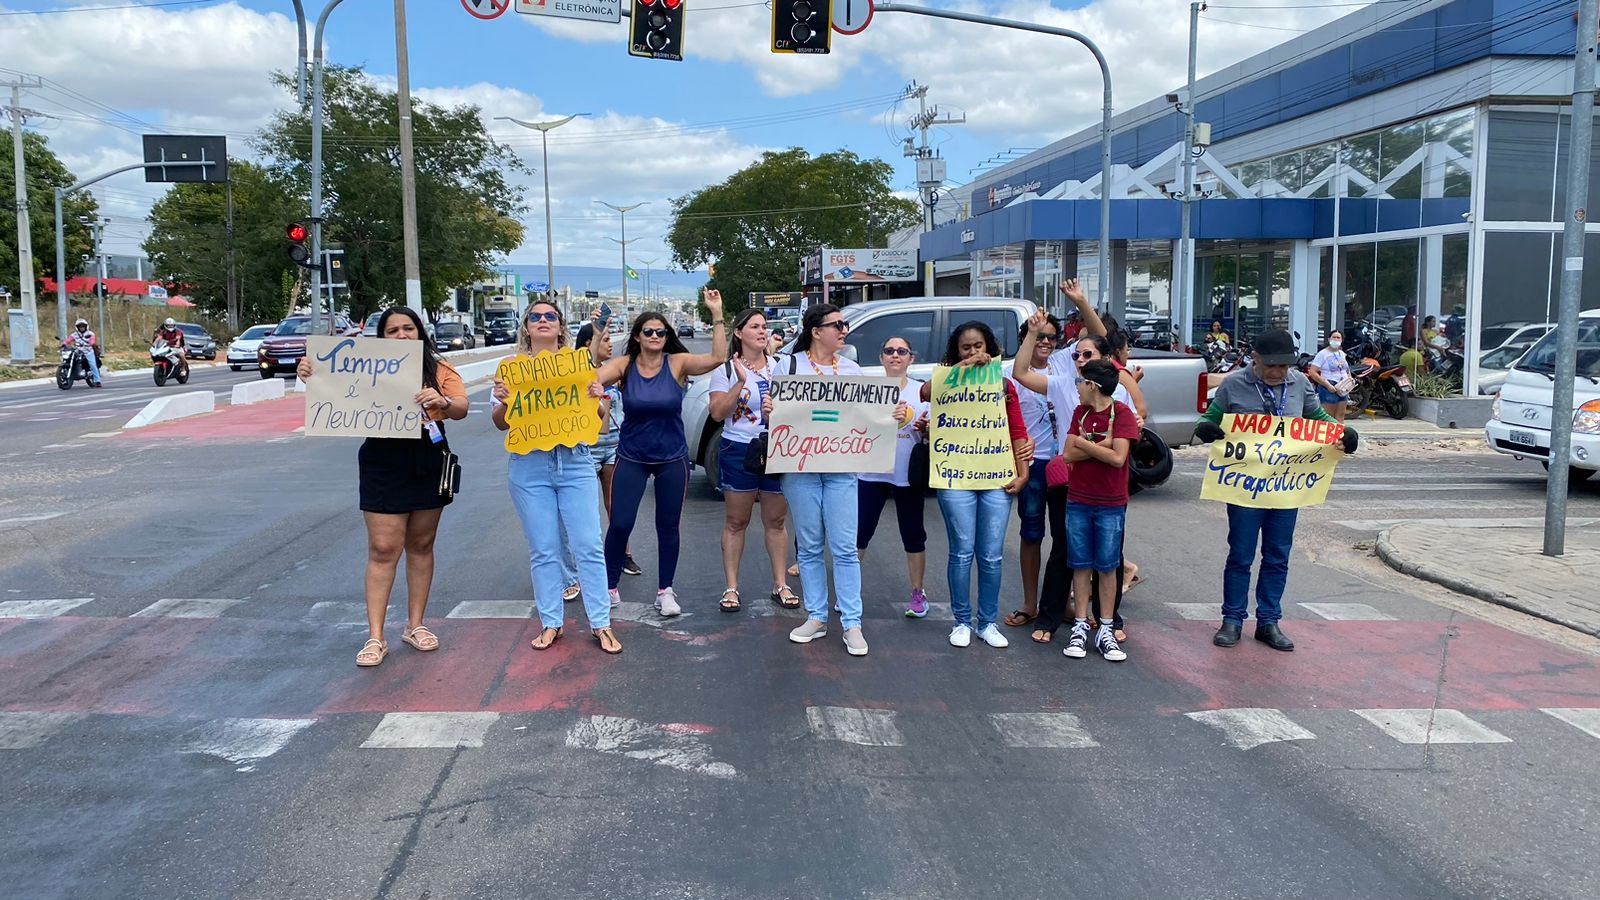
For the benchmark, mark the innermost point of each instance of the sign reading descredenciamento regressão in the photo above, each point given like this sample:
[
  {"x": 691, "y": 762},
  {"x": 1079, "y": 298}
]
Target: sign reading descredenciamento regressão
[
  {"x": 364, "y": 388},
  {"x": 832, "y": 424}
]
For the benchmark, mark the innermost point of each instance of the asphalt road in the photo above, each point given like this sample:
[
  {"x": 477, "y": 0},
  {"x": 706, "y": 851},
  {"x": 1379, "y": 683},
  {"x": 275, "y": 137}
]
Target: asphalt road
[{"x": 180, "y": 715}]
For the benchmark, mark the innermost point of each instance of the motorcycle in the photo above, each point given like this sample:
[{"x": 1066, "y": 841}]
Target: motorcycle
[
  {"x": 1445, "y": 362},
  {"x": 166, "y": 361},
  {"x": 74, "y": 365}
]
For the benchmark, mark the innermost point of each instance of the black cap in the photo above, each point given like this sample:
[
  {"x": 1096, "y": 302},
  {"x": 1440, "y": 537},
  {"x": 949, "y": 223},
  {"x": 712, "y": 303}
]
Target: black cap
[{"x": 1275, "y": 347}]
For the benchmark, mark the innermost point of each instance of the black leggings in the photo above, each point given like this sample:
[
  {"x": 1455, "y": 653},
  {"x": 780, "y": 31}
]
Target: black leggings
[
  {"x": 627, "y": 491},
  {"x": 908, "y": 507},
  {"x": 1057, "y": 588}
]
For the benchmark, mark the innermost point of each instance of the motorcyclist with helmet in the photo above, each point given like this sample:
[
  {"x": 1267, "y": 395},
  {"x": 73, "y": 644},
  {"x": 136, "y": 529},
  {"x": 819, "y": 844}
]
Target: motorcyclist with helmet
[
  {"x": 173, "y": 335},
  {"x": 82, "y": 338}
]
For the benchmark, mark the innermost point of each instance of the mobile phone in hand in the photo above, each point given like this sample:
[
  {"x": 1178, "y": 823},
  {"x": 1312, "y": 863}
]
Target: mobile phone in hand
[{"x": 605, "y": 313}]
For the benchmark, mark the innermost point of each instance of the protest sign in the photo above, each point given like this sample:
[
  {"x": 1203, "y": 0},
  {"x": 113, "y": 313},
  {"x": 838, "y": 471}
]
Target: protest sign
[
  {"x": 969, "y": 438},
  {"x": 363, "y": 388},
  {"x": 1272, "y": 462},
  {"x": 549, "y": 405},
  {"x": 835, "y": 424}
]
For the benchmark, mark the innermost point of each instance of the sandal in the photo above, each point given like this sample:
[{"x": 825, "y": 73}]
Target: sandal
[
  {"x": 571, "y": 593},
  {"x": 372, "y": 653},
  {"x": 421, "y": 638},
  {"x": 1040, "y": 636},
  {"x": 608, "y": 640},
  {"x": 785, "y": 598},
  {"x": 1133, "y": 582},
  {"x": 547, "y": 636},
  {"x": 1019, "y": 618},
  {"x": 730, "y": 604}
]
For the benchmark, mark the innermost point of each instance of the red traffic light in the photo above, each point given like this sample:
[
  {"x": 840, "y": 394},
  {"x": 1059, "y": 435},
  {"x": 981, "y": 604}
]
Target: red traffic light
[
  {"x": 297, "y": 232},
  {"x": 672, "y": 4}
]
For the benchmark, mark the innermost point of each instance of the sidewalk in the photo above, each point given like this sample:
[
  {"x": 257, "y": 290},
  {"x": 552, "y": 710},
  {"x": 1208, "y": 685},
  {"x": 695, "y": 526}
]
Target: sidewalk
[{"x": 1504, "y": 566}]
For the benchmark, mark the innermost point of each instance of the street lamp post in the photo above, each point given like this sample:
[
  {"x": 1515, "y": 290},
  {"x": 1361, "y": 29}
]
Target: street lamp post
[
  {"x": 623, "y": 211},
  {"x": 648, "y": 264},
  {"x": 316, "y": 151},
  {"x": 544, "y": 129}
]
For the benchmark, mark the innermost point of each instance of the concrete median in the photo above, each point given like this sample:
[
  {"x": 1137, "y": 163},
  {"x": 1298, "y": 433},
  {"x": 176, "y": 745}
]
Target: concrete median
[
  {"x": 256, "y": 391},
  {"x": 176, "y": 406}
]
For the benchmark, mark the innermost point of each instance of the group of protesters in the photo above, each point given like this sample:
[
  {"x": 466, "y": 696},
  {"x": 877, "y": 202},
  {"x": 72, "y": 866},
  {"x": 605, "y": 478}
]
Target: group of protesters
[{"x": 1073, "y": 412}]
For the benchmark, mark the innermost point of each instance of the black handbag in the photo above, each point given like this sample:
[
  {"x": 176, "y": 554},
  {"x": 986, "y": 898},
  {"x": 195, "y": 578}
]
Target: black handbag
[{"x": 450, "y": 476}]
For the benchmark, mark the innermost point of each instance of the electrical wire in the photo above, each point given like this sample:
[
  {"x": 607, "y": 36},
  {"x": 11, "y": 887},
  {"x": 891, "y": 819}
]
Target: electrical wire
[{"x": 75, "y": 9}]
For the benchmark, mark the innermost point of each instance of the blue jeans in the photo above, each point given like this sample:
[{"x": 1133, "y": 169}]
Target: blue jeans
[
  {"x": 1276, "y": 530},
  {"x": 94, "y": 367},
  {"x": 975, "y": 522},
  {"x": 557, "y": 496},
  {"x": 823, "y": 508},
  {"x": 1094, "y": 536}
]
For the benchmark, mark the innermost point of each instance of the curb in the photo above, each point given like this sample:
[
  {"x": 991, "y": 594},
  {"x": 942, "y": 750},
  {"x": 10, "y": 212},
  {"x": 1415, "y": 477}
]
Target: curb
[{"x": 1393, "y": 558}]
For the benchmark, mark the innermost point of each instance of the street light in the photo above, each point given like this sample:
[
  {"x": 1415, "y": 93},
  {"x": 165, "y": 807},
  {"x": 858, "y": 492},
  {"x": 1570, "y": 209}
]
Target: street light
[
  {"x": 648, "y": 263},
  {"x": 544, "y": 129},
  {"x": 623, "y": 211}
]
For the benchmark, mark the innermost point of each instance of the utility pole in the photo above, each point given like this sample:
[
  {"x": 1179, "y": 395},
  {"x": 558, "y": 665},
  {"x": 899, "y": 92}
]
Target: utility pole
[
  {"x": 648, "y": 265},
  {"x": 930, "y": 166},
  {"x": 233, "y": 282},
  {"x": 1183, "y": 270},
  {"x": 23, "y": 350},
  {"x": 408, "y": 171},
  {"x": 623, "y": 211},
  {"x": 1566, "y": 373}
]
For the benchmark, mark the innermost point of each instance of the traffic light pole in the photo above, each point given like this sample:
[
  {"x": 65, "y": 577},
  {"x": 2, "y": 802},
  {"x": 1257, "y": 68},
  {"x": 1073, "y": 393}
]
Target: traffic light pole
[{"x": 1103, "y": 289}]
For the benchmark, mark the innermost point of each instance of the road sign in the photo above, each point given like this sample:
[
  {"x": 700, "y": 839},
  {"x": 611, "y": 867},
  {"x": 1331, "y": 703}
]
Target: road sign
[
  {"x": 587, "y": 10},
  {"x": 852, "y": 16},
  {"x": 185, "y": 148},
  {"x": 485, "y": 9},
  {"x": 592, "y": 295},
  {"x": 777, "y": 299}
]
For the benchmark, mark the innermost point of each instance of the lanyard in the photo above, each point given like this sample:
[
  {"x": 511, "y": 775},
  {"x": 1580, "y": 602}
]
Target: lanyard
[{"x": 1275, "y": 405}]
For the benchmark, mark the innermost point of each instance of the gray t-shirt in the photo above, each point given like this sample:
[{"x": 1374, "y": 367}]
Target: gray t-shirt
[{"x": 1243, "y": 392}]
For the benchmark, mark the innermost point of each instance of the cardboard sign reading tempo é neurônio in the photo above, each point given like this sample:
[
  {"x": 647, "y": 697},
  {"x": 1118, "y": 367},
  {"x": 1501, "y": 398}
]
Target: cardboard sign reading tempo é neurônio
[
  {"x": 549, "y": 404},
  {"x": 363, "y": 388}
]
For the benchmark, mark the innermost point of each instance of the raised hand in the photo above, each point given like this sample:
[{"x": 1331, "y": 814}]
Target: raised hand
[
  {"x": 1073, "y": 292},
  {"x": 713, "y": 300},
  {"x": 500, "y": 392},
  {"x": 1038, "y": 320}
]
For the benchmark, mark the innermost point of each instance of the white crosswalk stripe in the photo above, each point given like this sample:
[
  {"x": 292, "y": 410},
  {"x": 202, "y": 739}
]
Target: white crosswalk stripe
[
  {"x": 676, "y": 746},
  {"x": 1346, "y": 612},
  {"x": 26, "y": 730},
  {"x": 1431, "y": 726},
  {"x": 244, "y": 742},
  {"x": 1248, "y": 728},
  {"x": 1585, "y": 720},
  {"x": 1051, "y": 731},
  {"x": 430, "y": 730},
  {"x": 186, "y": 608},
  {"x": 40, "y": 609},
  {"x": 866, "y": 727},
  {"x": 492, "y": 609}
]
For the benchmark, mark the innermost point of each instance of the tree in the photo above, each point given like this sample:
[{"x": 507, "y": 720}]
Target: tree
[
  {"x": 188, "y": 242},
  {"x": 45, "y": 173},
  {"x": 758, "y": 224},
  {"x": 467, "y": 209}
]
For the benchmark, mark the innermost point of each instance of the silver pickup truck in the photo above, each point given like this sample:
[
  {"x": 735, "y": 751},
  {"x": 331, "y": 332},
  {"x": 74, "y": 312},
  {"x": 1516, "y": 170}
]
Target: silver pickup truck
[{"x": 1174, "y": 384}]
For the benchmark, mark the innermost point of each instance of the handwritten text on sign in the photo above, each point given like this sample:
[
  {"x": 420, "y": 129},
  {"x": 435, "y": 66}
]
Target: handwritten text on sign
[
  {"x": 1272, "y": 462},
  {"x": 549, "y": 405},
  {"x": 833, "y": 424},
  {"x": 363, "y": 388},
  {"x": 969, "y": 438}
]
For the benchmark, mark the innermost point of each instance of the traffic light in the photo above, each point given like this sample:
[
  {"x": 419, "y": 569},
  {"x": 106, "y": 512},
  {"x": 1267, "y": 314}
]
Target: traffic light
[
  {"x": 298, "y": 251},
  {"x": 801, "y": 26},
  {"x": 656, "y": 29}
]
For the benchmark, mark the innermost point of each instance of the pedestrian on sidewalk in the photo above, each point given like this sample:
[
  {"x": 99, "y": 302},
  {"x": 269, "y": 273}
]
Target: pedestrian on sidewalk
[
  {"x": 1328, "y": 370},
  {"x": 557, "y": 496},
  {"x": 907, "y": 488},
  {"x": 824, "y": 505},
  {"x": 1039, "y": 416},
  {"x": 975, "y": 520},
  {"x": 1271, "y": 385},
  {"x": 653, "y": 373},
  {"x": 1101, "y": 432},
  {"x": 737, "y": 388},
  {"x": 400, "y": 498},
  {"x": 604, "y": 452}
]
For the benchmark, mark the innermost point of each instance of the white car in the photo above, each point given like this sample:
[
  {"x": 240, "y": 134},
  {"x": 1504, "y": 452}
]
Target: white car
[
  {"x": 242, "y": 352},
  {"x": 1520, "y": 423}
]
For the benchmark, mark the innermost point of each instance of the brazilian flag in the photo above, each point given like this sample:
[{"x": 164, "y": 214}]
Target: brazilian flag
[{"x": 633, "y": 275}]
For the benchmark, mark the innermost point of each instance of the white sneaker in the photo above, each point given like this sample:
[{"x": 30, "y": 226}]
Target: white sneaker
[
  {"x": 667, "y": 603},
  {"x": 961, "y": 636},
  {"x": 992, "y": 636},
  {"x": 616, "y": 597}
]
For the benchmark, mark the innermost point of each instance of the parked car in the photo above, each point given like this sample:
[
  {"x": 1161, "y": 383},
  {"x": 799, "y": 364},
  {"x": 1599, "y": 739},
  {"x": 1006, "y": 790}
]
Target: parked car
[
  {"x": 1514, "y": 335},
  {"x": 197, "y": 342},
  {"x": 1520, "y": 421},
  {"x": 280, "y": 351},
  {"x": 686, "y": 330},
  {"x": 1174, "y": 384},
  {"x": 370, "y": 329},
  {"x": 449, "y": 336},
  {"x": 242, "y": 352}
]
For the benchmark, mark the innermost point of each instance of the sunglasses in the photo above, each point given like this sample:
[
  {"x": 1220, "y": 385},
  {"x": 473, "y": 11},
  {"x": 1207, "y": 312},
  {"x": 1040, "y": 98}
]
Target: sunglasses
[
  {"x": 1050, "y": 336},
  {"x": 1083, "y": 355},
  {"x": 840, "y": 325},
  {"x": 551, "y": 316},
  {"x": 897, "y": 351},
  {"x": 653, "y": 332}
]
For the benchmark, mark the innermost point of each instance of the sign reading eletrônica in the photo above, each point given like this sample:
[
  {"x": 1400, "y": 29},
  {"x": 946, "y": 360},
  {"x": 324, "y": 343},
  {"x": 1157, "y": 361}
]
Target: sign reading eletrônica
[
  {"x": 549, "y": 405},
  {"x": 969, "y": 437},
  {"x": 1272, "y": 462},
  {"x": 832, "y": 424},
  {"x": 364, "y": 388}
]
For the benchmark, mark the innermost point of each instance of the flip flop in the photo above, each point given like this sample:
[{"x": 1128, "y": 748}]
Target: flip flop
[
  {"x": 1134, "y": 582},
  {"x": 1048, "y": 636},
  {"x": 421, "y": 638},
  {"x": 607, "y": 639},
  {"x": 1019, "y": 618},
  {"x": 555, "y": 635}
]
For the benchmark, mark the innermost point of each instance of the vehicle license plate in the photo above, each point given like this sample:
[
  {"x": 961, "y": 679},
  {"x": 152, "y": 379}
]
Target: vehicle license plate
[
  {"x": 1404, "y": 382},
  {"x": 1525, "y": 438}
]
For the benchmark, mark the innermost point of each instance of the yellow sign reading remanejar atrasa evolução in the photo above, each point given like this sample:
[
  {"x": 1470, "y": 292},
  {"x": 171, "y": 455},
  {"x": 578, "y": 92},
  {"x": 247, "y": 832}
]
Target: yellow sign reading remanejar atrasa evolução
[{"x": 549, "y": 404}]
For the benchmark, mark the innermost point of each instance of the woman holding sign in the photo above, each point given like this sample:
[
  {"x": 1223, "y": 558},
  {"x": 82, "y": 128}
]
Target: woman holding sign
[
  {"x": 907, "y": 489},
  {"x": 737, "y": 388},
  {"x": 561, "y": 480},
  {"x": 653, "y": 373},
  {"x": 400, "y": 496}
]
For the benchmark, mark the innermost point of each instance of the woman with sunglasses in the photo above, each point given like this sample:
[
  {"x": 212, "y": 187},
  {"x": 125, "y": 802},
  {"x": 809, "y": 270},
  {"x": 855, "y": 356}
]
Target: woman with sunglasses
[
  {"x": 875, "y": 489},
  {"x": 1038, "y": 413},
  {"x": 1062, "y": 389},
  {"x": 653, "y": 372},
  {"x": 557, "y": 496},
  {"x": 737, "y": 389}
]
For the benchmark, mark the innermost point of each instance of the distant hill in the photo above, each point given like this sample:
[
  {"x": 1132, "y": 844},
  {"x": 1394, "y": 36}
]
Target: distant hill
[{"x": 608, "y": 280}]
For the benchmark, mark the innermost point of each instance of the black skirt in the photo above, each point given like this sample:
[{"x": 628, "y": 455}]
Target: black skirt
[{"x": 400, "y": 475}]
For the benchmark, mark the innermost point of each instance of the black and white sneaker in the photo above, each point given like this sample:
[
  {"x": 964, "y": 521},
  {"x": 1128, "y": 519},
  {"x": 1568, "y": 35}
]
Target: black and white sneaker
[
  {"x": 1106, "y": 643},
  {"x": 1078, "y": 641}
]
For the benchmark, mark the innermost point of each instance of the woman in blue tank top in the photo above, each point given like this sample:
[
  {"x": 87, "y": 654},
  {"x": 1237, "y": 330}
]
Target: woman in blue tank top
[{"x": 652, "y": 374}]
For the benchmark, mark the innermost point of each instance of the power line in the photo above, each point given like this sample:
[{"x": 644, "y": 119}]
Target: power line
[{"x": 75, "y": 9}]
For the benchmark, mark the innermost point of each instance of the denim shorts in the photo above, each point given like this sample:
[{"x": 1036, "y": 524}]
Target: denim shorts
[
  {"x": 732, "y": 475},
  {"x": 1031, "y": 507},
  {"x": 604, "y": 455},
  {"x": 1327, "y": 396},
  {"x": 1094, "y": 536}
]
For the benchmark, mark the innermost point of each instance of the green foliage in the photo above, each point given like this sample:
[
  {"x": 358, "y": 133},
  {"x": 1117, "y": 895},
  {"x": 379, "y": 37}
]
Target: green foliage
[
  {"x": 45, "y": 173},
  {"x": 1435, "y": 387},
  {"x": 744, "y": 225}
]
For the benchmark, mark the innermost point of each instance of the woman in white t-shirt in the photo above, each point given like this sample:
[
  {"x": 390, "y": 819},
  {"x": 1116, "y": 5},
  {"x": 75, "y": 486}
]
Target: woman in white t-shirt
[
  {"x": 737, "y": 389},
  {"x": 1328, "y": 368},
  {"x": 874, "y": 490},
  {"x": 1038, "y": 413}
]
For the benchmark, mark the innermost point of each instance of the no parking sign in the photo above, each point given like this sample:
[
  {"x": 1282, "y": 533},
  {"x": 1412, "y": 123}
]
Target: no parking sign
[{"x": 486, "y": 9}]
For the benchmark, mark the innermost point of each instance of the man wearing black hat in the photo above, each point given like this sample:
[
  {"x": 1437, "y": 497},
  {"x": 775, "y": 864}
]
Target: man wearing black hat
[{"x": 1271, "y": 385}]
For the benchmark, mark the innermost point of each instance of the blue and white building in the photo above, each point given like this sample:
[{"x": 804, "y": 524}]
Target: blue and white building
[{"x": 1410, "y": 157}]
